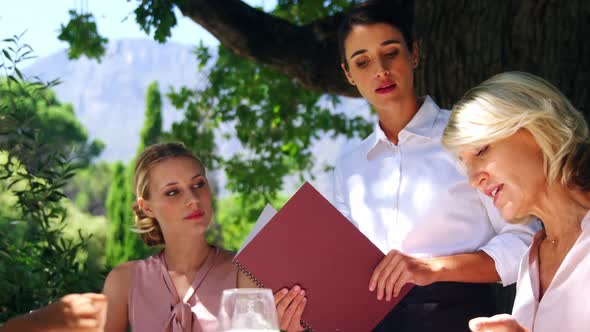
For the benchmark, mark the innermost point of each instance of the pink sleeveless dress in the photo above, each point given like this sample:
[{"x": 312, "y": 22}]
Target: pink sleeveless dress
[{"x": 154, "y": 304}]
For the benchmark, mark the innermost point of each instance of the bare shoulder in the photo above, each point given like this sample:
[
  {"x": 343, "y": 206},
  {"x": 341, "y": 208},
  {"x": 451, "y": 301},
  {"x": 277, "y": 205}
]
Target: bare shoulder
[
  {"x": 123, "y": 271},
  {"x": 116, "y": 288},
  {"x": 119, "y": 279}
]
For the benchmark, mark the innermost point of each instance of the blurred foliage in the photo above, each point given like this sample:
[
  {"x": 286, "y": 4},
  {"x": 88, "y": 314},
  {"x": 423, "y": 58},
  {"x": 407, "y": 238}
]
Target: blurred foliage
[
  {"x": 235, "y": 216},
  {"x": 93, "y": 253},
  {"x": 89, "y": 187},
  {"x": 16, "y": 232},
  {"x": 47, "y": 120},
  {"x": 37, "y": 262},
  {"x": 81, "y": 33},
  {"x": 151, "y": 132},
  {"x": 157, "y": 15},
  {"x": 119, "y": 215},
  {"x": 306, "y": 11}
]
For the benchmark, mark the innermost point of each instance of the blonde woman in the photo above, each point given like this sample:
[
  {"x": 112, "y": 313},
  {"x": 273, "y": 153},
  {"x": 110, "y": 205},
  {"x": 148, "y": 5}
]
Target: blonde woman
[
  {"x": 525, "y": 146},
  {"x": 178, "y": 289}
]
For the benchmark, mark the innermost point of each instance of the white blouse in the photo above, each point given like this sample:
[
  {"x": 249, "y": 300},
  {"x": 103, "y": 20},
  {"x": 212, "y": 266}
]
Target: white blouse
[
  {"x": 564, "y": 306},
  {"x": 414, "y": 197}
]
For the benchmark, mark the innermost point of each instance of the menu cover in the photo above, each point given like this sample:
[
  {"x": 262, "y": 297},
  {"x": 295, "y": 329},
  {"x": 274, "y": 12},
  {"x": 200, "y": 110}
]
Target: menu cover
[{"x": 310, "y": 243}]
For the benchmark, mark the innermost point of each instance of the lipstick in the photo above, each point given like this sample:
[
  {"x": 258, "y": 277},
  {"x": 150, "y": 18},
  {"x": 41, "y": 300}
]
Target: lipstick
[
  {"x": 197, "y": 214},
  {"x": 386, "y": 88}
]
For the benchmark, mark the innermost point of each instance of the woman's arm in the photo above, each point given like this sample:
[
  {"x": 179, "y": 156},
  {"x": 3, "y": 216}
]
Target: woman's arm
[
  {"x": 398, "y": 269},
  {"x": 497, "y": 260},
  {"x": 116, "y": 288},
  {"x": 73, "y": 312}
]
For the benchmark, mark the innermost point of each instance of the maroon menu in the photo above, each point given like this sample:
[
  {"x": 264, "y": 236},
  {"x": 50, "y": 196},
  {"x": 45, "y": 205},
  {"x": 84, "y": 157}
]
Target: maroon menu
[{"x": 310, "y": 243}]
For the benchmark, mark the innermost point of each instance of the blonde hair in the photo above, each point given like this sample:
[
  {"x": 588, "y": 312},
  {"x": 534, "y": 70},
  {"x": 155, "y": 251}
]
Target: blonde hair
[
  {"x": 149, "y": 228},
  {"x": 505, "y": 103}
]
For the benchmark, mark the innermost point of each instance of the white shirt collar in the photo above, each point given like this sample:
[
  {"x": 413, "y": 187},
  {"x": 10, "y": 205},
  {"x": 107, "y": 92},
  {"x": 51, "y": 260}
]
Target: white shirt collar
[{"x": 422, "y": 124}]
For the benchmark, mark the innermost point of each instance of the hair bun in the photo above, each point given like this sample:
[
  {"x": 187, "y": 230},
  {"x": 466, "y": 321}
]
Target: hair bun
[
  {"x": 139, "y": 213},
  {"x": 147, "y": 227}
]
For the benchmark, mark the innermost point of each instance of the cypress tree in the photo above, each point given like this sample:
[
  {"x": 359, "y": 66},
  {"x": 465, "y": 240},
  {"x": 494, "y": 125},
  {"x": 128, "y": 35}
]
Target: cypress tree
[
  {"x": 151, "y": 133},
  {"x": 123, "y": 244},
  {"x": 115, "y": 250},
  {"x": 134, "y": 246},
  {"x": 152, "y": 127}
]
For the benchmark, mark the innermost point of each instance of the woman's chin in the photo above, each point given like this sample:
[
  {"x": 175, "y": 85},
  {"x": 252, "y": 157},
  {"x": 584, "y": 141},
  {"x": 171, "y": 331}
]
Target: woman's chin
[{"x": 200, "y": 226}]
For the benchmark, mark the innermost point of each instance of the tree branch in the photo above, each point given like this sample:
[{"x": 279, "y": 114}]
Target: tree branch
[
  {"x": 462, "y": 43},
  {"x": 306, "y": 53}
]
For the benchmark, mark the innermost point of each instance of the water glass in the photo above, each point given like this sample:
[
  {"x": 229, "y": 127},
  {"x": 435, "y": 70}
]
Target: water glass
[{"x": 248, "y": 309}]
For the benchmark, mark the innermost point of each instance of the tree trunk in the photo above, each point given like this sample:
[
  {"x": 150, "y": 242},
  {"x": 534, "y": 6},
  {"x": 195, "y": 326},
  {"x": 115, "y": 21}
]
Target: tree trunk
[
  {"x": 465, "y": 42},
  {"x": 462, "y": 43}
]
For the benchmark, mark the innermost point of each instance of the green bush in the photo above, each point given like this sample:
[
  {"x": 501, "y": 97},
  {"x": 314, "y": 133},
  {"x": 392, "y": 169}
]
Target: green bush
[
  {"x": 89, "y": 188},
  {"x": 38, "y": 261}
]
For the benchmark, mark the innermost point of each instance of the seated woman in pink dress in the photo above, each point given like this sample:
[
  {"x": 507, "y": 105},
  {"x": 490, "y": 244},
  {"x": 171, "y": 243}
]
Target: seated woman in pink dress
[
  {"x": 523, "y": 144},
  {"x": 178, "y": 289}
]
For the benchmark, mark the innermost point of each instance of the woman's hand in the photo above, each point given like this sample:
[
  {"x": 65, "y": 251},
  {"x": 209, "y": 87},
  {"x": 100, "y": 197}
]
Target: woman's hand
[
  {"x": 290, "y": 305},
  {"x": 497, "y": 323},
  {"x": 396, "y": 270},
  {"x": 77, "y": 312}
]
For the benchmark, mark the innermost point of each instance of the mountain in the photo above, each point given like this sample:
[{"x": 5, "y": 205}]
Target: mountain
[{"x": 109, "y": 97}]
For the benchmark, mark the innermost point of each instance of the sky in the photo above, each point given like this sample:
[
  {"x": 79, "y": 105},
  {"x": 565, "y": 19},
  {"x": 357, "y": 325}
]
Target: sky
[{"x": 42, "y": 19}]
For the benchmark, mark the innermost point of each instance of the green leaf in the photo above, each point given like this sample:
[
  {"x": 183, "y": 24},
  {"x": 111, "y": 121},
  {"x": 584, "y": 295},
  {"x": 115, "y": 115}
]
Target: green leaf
[
  {"x": 19, "y": 74},
  {"x": 5, "y": 52},
  {"x": 11, "y": 78},
  {"x": 158, "y": 15}
]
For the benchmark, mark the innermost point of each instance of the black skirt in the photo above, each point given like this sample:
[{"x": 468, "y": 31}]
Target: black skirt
[{"x": 446, "y": 307}]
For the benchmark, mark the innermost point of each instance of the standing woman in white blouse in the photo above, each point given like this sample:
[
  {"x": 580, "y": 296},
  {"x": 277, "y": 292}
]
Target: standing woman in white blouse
[
  {"x": 519, "y": 137},
  {"x": 408, "y": 195}
]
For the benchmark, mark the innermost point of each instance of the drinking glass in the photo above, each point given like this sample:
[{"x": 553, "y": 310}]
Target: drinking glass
[{"x": 248, "y": 309}]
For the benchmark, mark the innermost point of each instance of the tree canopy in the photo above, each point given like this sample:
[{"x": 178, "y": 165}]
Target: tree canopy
[
  {"x": 273, "y": 69},
  {"x": 462, "y": 42},
  {"x": 55, "y": 124}
]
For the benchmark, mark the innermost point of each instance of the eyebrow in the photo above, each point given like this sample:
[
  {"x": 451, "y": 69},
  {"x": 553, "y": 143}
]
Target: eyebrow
[
  {"x": 387, "y": 42},
  {"x": 173, "y": 183}
]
